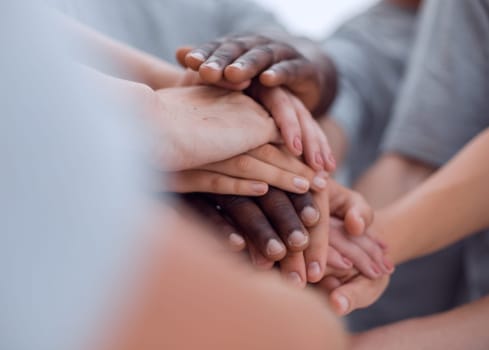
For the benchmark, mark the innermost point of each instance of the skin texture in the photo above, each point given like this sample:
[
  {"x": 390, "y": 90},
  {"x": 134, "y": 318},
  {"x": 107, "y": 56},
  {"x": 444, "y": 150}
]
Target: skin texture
[
  {"x": 413, "y": 227},
  {"x": 248, "y": 174},
  {"x": 266, "y": 64},
  {"x": 178, "y": 117},
  {"x": 179, "y": 296},
  {"x": 293, "y": 229}
]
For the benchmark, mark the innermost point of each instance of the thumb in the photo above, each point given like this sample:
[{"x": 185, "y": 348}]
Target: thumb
[{"x": 360, "y": 292}]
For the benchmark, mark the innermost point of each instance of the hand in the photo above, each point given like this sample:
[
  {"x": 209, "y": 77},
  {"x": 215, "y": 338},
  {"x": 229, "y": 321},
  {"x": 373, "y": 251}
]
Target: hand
[
  {"x": 300, "y": 131},
  {"x": 273, "y": 228},
  {"x": 362, "y": 252},
  {"x": 248, "y": 175},
  {"x": 350, "y": 207},
  {"x": 240, "y": 58},
  {"x": 199, "y": 125},
  {"x": 354, "y": 290}
]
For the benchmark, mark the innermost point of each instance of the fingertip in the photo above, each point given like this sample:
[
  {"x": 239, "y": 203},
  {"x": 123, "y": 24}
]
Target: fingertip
[
  {"x": 330, "y": 162},
  {"x": 295, "y": 279},
  {"x": 341, "y": 304},
  {"x": 211, "y": 72},
  {"x": 236, "y": 73},
  {"x": 236, "y": 242},
  {"x": 314, "y": 272},
  {"x": 297, "y": 146},
  {"x": 269, "y": 78},
  {"x": 310, "y": 216},
  {"x": 354, "y": 223},
  {"x": 194, "y": 60}
]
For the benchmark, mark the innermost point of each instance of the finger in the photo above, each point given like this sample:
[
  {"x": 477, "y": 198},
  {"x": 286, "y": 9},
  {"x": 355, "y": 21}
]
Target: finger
[
  {"x": 329, "y": 283},
  {"x": 207, "y": 209},
  {"x": 258, "y": 259},
  {"x": 306, "y": 208},
  {"x": 289, "y": 73},
  {"x": 206, "y": 181},
  {"x": 280, "y": 106},
  {"x": 212, "y": 69},
  {"x": 182, "y": 53},
  {"x": 337, "y": 261},
  {"x": 245, "y": 166},
  {"x": 293, "y": 269},
  {"x": 284, "y": 160},
  {"x": 253, "y": 224},
  {"x": 374, "y": 251},
  {"x": 350, "y": 207},
  {"x": 316, "y": 254},
  {"x": 282, "y": 215},
  {"x": 358, "y": 293},
  {"x": 312, "y": 147},
  {"x": 326, "y": 151},
  {"x": 197, "y": 56},
  {"x": 360, "y": 259},
  {"x": 258, "y": 59}
]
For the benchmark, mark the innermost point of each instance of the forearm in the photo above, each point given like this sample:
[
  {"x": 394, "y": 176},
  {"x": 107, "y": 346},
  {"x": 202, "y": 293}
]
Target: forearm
[
  {"x": 118, "y": 59},
  {"x": 459, "y": 329},
  {"x": 449, "y": 206}
]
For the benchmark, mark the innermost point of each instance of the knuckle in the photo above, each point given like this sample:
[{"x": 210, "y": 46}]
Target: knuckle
[
  {"x": 267, "y": 152},
  {"x": 217, "y": 183},
  {"x": 243, "y": 163}
]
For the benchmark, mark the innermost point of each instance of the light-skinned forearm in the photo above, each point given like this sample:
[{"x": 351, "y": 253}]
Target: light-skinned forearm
[
  {"x": 449, "y": 206},
  {"x": 459, "y": 329},
  {"x": 116, "y": 58}
]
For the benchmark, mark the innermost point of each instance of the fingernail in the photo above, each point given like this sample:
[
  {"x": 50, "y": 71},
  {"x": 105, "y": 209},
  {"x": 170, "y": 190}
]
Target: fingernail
[
  {"x": 271, "y": 73},
  {"x": 236, "y": 240},
  {"x": 331, "y": 160},
  {"x": 319, "y": 182},
  {"x": 314, "y": 269},
  {"x": 259, "y": 187},
  {"x": 274, "y": 247},
  {"x": 309, "y": 216},
  {"x": 348, "y": 262},
  {"x": 297, "y": 239},
  {"x": 388, "y": 265},
  {"x": 319, "y": 159},
  {"x": 375, "y": 270},
  {"x": 238, "y": 65},
  {"x": 301, "y": 183},
  {"x": 298, "y": 144},
  {"x": 213, "y": 65},
  {"x": 343, "y": 303},
  {"x": 198, "y": 56},
  {"x": 294, "y": 278}
]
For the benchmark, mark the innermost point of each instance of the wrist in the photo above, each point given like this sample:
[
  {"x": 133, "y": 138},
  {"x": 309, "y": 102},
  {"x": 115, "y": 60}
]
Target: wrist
[{"x": 328, "y": 84}]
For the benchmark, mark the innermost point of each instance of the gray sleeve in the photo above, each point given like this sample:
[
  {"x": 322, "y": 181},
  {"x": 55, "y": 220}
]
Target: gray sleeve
[
  {"x": 245, "y": 16},
  {"x": 445, "y": 99},
  {"x": 370, "y": 54}
]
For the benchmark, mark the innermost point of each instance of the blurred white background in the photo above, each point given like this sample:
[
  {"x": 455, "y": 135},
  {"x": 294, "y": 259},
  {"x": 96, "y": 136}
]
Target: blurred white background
[{"x": 315, "y": 18}]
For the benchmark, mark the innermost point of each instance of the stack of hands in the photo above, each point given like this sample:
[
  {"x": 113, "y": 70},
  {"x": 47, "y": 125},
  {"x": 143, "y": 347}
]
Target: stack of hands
[{"x": 271, "y": 195}]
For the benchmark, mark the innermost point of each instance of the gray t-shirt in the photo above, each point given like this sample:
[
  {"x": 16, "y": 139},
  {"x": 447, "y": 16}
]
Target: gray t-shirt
[
  {"x": 159, "y": 27},
  {"x": 444, "y": 103},
  {"x": 370, "y": 52},
  {"x": 381, "y": 79}
]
